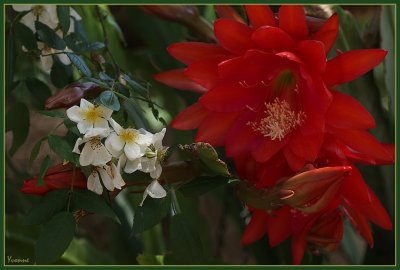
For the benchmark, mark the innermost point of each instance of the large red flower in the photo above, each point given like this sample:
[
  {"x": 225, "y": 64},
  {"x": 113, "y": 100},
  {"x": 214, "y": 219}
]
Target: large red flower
[{"x": 267, "y": 88}]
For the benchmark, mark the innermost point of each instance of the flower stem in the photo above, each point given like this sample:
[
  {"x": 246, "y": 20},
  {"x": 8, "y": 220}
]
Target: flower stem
[
  {"x": 71, "y": 189},
  {"x": 175, "y": 208}
]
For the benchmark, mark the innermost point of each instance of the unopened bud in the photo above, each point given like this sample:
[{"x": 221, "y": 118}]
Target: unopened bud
[{"x": 150, "y": 154}]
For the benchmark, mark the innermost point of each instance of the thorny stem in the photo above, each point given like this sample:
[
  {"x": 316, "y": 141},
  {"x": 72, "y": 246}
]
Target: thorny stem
[{"x": 101, "y": 18}]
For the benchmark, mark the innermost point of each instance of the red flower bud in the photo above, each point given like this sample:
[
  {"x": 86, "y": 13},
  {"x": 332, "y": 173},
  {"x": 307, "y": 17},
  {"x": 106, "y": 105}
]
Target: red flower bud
[
  {"x": 72, "y": 94},
  {"x": 56, "y": 177},
  {"x": 312, "y": 190},
  {"x": 327, "y": 231}
]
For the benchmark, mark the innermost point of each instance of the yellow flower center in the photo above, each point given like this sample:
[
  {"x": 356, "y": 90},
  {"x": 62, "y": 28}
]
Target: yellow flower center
[
  {"x": 280, "y": 120},
  {"x": 129, "y": 134},
  {"x": 37, "y": 10},
  {"x": 92, "y": 113}
]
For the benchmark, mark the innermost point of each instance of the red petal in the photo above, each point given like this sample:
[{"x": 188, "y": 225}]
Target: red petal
[
  {"x": 190, "y": 118},
  {"x": 30, "y": 187},
  {"x": 306, "y": 146},
  {"x": 241, "y": 138},
  {"x": 295, "y": 162},
  {"x": 233, "y": 36},
  {"x": 273, "y": 38},
  {"x": 292, "y": 19},
  {"x": 227, "y": 12},
  {"x": 232, "y": 96},
  {"x": 63, "y": 180},
  {"x": 350, "y": 65},
  {"x": 205, "y": 72},
  {"x": 279, "y": 226},
  {"x": 312, "y": 53},
  {"x": 176, "y": 79},
  {"x": 299, "y": 244},
  {"x": 214, "y": 127},
  {"x": 348, "y": 113},
  {"x": 328, "y": 32},
  {"x": 363, "y": 200},
  {"x": 359, "y": 222},
  {"x": 260, "y": 15},
  {"x": 363, "y": 142},
  {"x": 238, "y": 68},
  {"x": 266, "y": 149},
  {"x": 189, "y": 52},
  {"x": 256, "y": 228},
  {"x": 273, "y": 170},
  {"x": 246, "y": 167}
]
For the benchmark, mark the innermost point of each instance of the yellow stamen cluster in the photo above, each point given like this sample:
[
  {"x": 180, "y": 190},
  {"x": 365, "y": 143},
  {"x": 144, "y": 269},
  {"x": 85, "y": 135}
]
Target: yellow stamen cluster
[
  {"x": 280, "y": 120},
  {"x": 129, "y": 134},
  {"x": 92, "y": 113}
]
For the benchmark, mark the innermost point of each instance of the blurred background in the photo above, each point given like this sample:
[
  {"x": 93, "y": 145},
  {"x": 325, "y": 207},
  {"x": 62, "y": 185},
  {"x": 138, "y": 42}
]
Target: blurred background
[{"x": 139, "y": 41}]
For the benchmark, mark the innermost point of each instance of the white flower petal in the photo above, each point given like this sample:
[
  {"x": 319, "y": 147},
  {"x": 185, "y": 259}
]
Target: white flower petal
[
  {"x": 114, "y": 144},
  {"x": 101, "y": 132},
  {"x": 21, "y": 8},
  {"x": 144, "y": 139},
  {"x": 157, "y": 172},
  {"x": 74, "y": 113},
  {"x": 29, "y": 20},
  {"x": 132, "y": 165},
  {"x": 106, "y": 178},
  {"x": 85, "y": 104},
  {"x": 117, "y": 180},
  {"x": 71, "y": 26},
  {"x": 102, "y": 156},
  {"x": 121, "y": 162},
  {"x": 84, "y": 126},
  {"x": 149, "y": 165},
  {"x": 101, "y": 123},
  {"x": 115, "y": 126},
  {"x": 158, "y": 137},
  {"x": 94, "y": 184},
  {"x": 74, "y": 14},
  {"x": 106, "y": 112},
  {"x": 155, "y": 190},
  {"x": 49, "y": 16},
  {"x": 87, "y": 154},
  {"x": 78, "y": 142},
  {"x": 133, "y": 151}
]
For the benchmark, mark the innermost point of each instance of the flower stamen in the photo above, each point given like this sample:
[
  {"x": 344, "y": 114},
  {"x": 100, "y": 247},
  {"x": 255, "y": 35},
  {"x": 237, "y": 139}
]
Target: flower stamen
[
  {"x": 128, "y": 134},
  {"x": 92, "y": 113},
  {"x": 280, "y": 120}
]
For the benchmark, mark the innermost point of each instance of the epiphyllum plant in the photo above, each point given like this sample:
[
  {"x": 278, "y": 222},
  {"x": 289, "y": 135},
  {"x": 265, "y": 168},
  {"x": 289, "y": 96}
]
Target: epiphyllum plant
[{"x": 267, "y": 98}]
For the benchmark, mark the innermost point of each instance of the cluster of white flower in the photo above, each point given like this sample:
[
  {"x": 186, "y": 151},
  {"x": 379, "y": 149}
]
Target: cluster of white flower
[
  {"x": 134, "y": 149},
  {"x": 47, "y": 14}
]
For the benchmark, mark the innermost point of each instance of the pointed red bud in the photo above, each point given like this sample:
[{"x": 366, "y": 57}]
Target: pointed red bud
[{"x": 314, "y": 189}]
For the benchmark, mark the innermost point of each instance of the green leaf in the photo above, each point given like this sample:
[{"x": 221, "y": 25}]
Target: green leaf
[
  {"x": 63, "y": 17},
  {"x": 80, "y": 64},
  {"x": 202, "y": 184},
  {"x": 55, "y": 238},
  {"x": 103, "y": 76},
  {"x": 17, "y": 121},
  {"x": 60, "y": 74},
  {"x": 25, "y": 35},
  {"x": 79, "y": 32},
  {"x": 207, "y": 157},
  {"x": 97, "y": 81},
  {"x": 35, "y": 150},
  {"x": 52, "y": 202},
  {"x": 149, "y": 259},
  {"x": 43, "y": 169},
  {"x": 62, "y": 148},
  {"x": 71, "y": 125},
  {"x": 185, "y": 242},
  {"x": 39, "y": 90},
  {"x": 49, "y": 36},
  {"x": 52, "y": 113},
  {"x": 93, "y": 203},
  {"x": 138, "y": 88},
  {"x": 94, "y": 46},
  {"x": 150, "y": 214},
  {"x": 111, "y": 22},
  {"x": 11, "y": 56},
  {"x": 110, "y": 100}
]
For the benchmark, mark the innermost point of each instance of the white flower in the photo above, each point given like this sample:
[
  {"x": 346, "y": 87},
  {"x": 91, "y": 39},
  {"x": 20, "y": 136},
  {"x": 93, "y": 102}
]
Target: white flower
[
  {"x": 129, "y": 166},
  {"x": 47, "y": 60},
  {"x": 109, "y": 175},
  {"x": 152, "y": 163},
  {"x": 46, "y": 14},
  {"x": 93, "y": 152},
  {"x": 132, "y": 142},
  {"x": 154, "y": 190},
  {"x": 89, "y": 116}
]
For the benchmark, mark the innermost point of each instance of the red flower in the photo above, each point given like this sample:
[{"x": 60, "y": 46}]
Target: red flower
[
  {"x": 266, "y": 88},
  {"x": 57, "y": 177}
]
